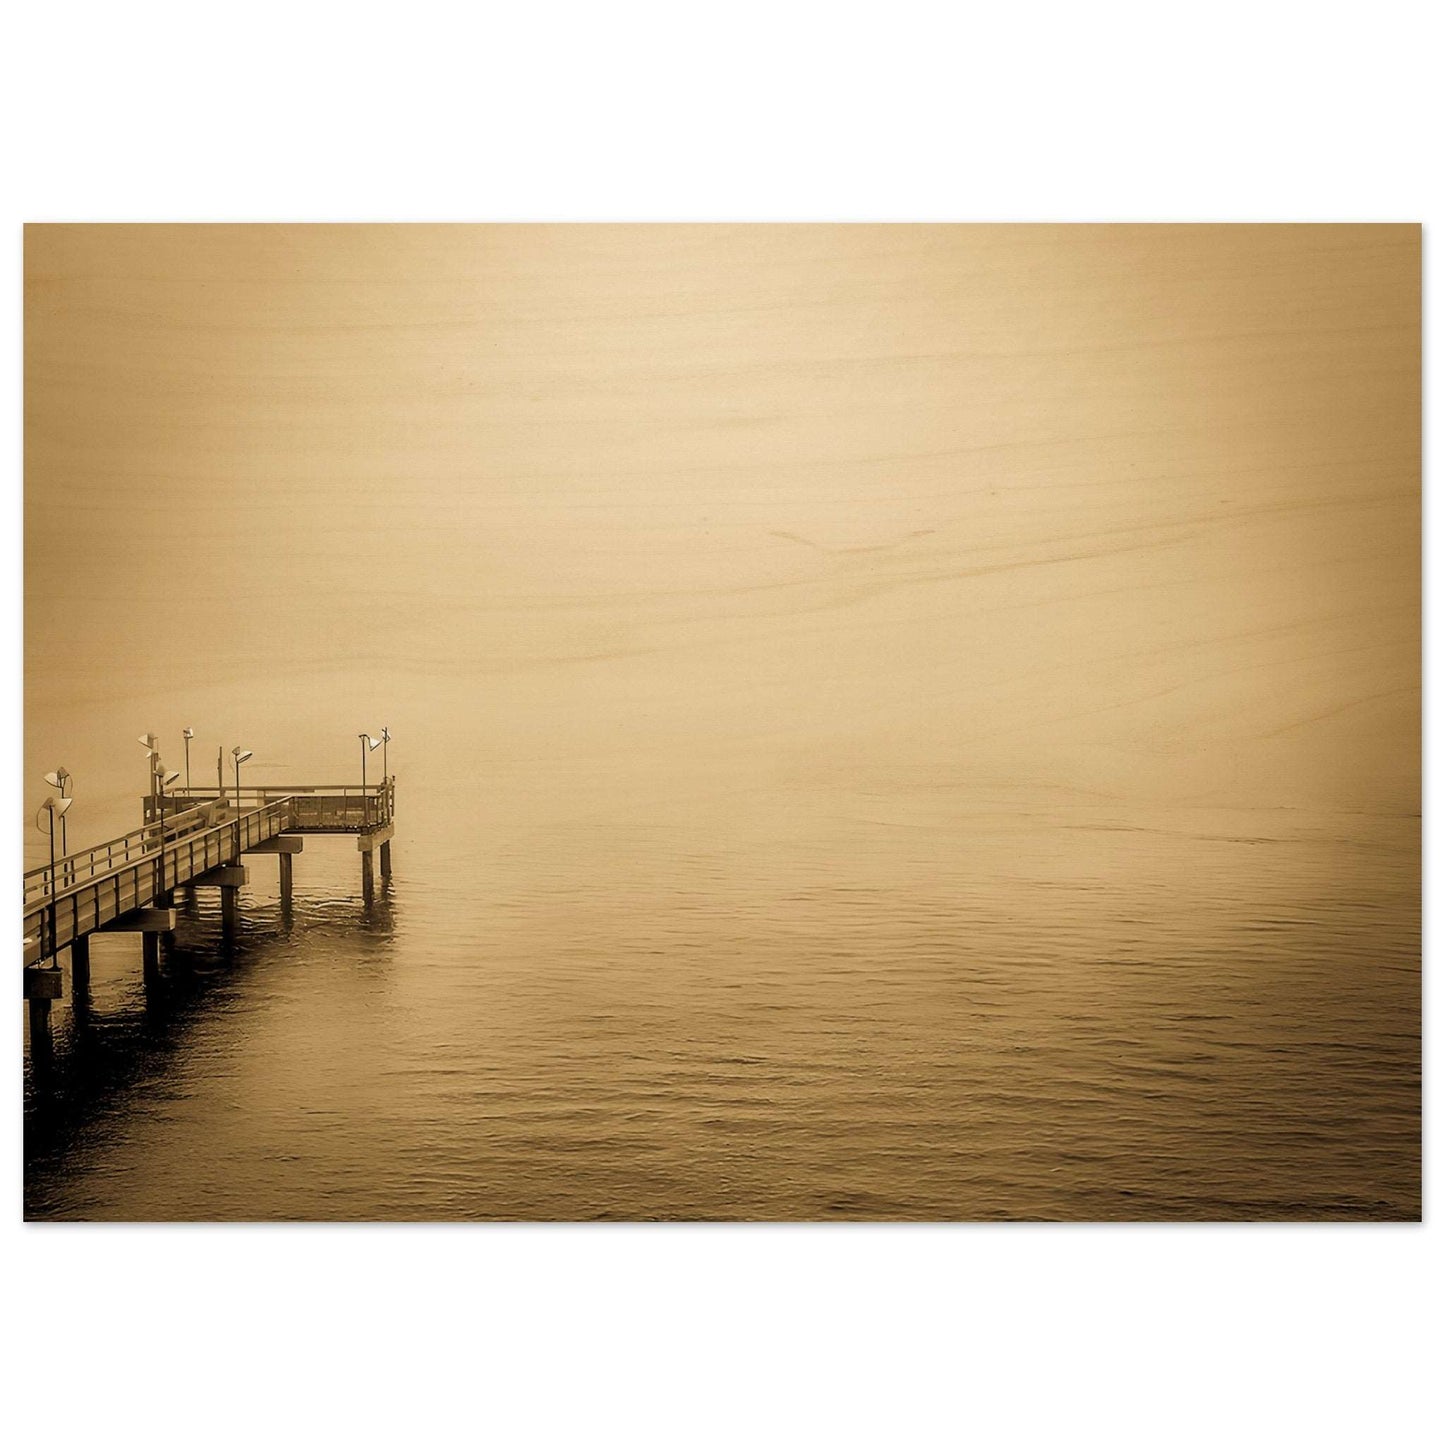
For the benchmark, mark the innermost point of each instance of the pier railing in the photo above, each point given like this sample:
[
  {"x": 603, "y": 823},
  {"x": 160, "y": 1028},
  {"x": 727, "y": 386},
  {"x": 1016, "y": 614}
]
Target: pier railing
[
  {"x": 89, "y": 889},
  {"x": 187, "y": 834},
  {"x": 317, "y": 808},
  {"x": 103, "y": 858}
]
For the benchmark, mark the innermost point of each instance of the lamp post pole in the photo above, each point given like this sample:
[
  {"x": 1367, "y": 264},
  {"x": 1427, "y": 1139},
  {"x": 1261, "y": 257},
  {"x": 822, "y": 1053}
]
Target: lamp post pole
[
  {"x": 369, "y": 744},
  {"x": 61, "y": 780},
  {"x": 50, "y": 807},
  {"x": 64, "y": 778},
  {"x": 53, "y": 946},
  {"x": 148, "y": 742},
  {"x": 240, "y": 754},
  {"x": 385, "y": 777},
  {"x": 188, "y": 734},
  {"x": 158, "y": 771},
  {"x": 163, "y": 778}
]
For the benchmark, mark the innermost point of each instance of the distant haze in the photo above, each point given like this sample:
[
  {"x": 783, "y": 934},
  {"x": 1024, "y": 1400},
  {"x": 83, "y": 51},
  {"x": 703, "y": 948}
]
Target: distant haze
[{"x": 1129, "y": 512}]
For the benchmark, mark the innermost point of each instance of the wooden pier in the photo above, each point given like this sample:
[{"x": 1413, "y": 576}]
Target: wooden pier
[{"x": 194, "y": 838}]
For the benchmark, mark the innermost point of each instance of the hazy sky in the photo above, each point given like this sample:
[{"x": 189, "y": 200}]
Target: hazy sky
[{"x": 1119, "y": 513}]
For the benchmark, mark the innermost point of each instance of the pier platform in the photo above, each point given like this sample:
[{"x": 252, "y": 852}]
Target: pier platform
[{"x": 192, "y": 838}]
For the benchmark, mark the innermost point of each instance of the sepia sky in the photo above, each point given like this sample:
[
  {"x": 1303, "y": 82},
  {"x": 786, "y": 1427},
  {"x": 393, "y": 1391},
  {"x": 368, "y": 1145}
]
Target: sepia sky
[{"x": 1121, "y": 513}]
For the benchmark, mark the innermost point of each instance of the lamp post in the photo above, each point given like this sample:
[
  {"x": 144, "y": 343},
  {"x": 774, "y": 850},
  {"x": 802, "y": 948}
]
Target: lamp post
[
  {"x": 50, "y": 807},
  {"x": 385, "y": 767},
  {"x": 188, "y": 734},
  {"x": 148, "y": 742},
  {"x": 369, "y": 744},
  {"x": 163, "y": 781},
  {"x": 240, "y": 754},
  {"x": 60, "y": 779}
]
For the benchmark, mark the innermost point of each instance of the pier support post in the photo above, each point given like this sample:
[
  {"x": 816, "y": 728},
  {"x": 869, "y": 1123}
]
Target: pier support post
[
  {"x": 150, "y": 923},
  {"x": 285, "y": 860},
  {"x": 150, "y": 944},
  {"x": 42, "y": 1049},
  {"x": 230, "y": 879},
  {"x": 41, "y": 986},
  {"x": 368, "y": 843},
  {"x": 80, "y": 965}
]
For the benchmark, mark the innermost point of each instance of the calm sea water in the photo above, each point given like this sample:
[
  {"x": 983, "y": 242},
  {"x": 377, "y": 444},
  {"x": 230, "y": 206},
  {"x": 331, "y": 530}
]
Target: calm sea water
[
  {"x": 1007, "y": 1013},
  {"x": 890, "y": 722}
]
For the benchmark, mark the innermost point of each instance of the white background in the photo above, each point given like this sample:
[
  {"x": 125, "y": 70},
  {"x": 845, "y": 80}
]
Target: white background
[{"x": 617, "y": 111}]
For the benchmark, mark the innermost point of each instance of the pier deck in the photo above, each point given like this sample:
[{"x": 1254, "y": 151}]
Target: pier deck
[{"x": 195, "y": 838}]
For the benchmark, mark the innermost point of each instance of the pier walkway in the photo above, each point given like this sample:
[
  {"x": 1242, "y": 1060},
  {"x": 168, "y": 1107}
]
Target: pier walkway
[{"x": 193, "y": 838}]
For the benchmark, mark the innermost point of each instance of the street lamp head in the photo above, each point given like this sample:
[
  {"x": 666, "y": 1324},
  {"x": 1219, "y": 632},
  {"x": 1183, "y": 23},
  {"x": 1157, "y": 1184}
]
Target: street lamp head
[
  {"x": 188, "y": 733},
  {"x": 240, "y": 754},
  {"x": 170, "y": 778},
  {"x": 57, "y": 805},
  {"x": 147, "y": 741},
  {"x": 386, "y": 735},
  {"x": 56, "y": 779},
  {"x": 371, "y": 743}
]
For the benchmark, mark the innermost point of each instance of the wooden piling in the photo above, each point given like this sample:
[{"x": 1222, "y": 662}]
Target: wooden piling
[
  {"x": 80, "y": 965},
  {"x": 285, "y": 860},
  {"x": 41, "y": 986},
  {"x": 369, "y": 842},
  {"x": 228, "y": 907},
  {"x": 151, "y": 958},
  {"x": 42, "y": 1049}
]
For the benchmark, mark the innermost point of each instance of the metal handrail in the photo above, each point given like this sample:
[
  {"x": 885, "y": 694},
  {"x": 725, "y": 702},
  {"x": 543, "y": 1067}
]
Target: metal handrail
[
  {"x": 174, "y": 823},
  {"x": 117, "y": 850},
  {"x": 150, "y": 876},
  {"x": 119, "y": 856},
  {"x": 84, "y": 867},
  {"x": 375, "y": 803},
  {"x": 288, "y": 788}
]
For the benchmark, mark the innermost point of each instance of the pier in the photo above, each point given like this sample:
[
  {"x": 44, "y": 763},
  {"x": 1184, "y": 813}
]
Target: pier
[{"x": 191, "y": 838}]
